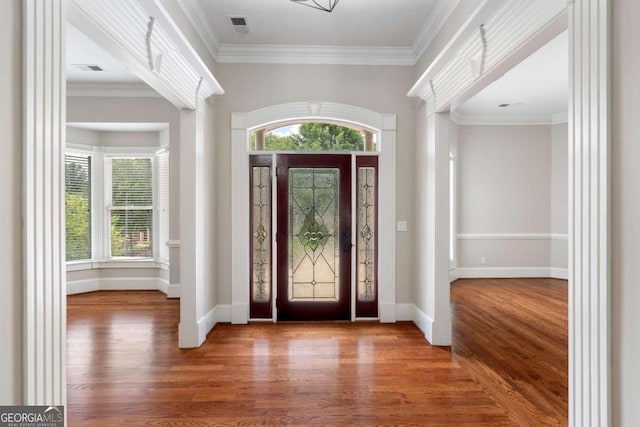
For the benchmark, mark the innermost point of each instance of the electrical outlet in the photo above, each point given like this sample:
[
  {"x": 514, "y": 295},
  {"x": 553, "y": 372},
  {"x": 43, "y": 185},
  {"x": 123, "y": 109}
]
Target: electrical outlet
[
  {"x": 402, "y": 225},
  {"x": 483, "y": 260}
]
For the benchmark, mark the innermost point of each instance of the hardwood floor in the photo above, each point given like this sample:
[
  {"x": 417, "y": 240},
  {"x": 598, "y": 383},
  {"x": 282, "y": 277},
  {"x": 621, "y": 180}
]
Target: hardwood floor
[
  {"x": 124, "y": 369},
  {"x": 511, "y": 336}
]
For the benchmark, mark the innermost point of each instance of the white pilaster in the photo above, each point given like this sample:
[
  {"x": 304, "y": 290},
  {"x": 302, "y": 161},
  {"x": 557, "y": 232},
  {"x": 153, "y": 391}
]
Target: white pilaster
[
  {"x": 589, "y": 215},
  {"x": 387, "y": 220},
  {"x": 191, "y": 226},
  {"x": 43, "y": 210},
  {"x": 240, "y": 220},
  {"x": 437, "y": 227}
]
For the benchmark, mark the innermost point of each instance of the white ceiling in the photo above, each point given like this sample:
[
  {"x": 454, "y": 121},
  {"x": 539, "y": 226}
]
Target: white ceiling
[
  {"x": 352, "y": 23},
  {"x": 82, "y": 50},
  {"x": 374, "y": 32},
  {"x": 538, "y": 86}
]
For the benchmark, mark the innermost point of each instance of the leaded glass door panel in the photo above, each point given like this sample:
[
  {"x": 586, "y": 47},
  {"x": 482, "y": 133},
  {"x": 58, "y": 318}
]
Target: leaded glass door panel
[{"x": 314, "y": 237}]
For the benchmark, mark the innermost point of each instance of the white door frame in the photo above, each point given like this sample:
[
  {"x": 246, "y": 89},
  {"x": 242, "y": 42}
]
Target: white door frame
[
  {"x": 471, "y": 61},
  {"x": 241, "y": 126},
  {"x": 186, "y": 83}
]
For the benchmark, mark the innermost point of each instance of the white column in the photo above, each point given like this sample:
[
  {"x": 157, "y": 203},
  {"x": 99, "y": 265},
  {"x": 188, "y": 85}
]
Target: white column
[
  {"x": 387, "y": 220},
  {"x": 438, "y": 328},
  {"x": 43, "y": 195},
  {"x": 589, "y": 215},
  {"x": 192, "y": 329},
  {"x": 240, "y": 256}
]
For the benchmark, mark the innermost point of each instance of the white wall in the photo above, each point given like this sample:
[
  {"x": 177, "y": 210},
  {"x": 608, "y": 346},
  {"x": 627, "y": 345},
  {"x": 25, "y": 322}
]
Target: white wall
[
  {"x": 625, "y": 212},
  {"x": 378, "y": 88},
  {"x": 11, "y": 289},
  {"x": 136, "y": 110},
  {"x": 507, "y": 179}
]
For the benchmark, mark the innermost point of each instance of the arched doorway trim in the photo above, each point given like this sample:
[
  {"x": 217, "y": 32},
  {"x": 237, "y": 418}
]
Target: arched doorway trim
[{"x": 242, "y": 124}]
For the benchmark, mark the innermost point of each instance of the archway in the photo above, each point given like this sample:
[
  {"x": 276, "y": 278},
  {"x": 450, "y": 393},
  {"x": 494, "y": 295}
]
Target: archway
[{"x": 243, "y": 123}]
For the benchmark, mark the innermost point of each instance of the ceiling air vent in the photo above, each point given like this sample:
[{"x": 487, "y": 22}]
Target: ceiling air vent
[
  {"x": 88, "y": 67},
  {"x": 239, "y": 24}
]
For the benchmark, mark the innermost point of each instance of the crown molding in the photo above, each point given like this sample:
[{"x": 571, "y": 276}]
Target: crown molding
[
  {"x": 434, "y": 23},
  {"x": 117, "y": 90},
  {"x": 284, "y": 54},
  {"x": 559, "y": 118},
  {"x": 196, "y": 14},
  {"x": 498, "y": 120}
]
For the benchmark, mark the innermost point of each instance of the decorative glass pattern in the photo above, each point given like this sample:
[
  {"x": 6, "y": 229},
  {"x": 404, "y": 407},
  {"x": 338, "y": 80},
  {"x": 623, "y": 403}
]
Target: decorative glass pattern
[
  {"x": 261, "y": 234},
  {"x": 366, "y": 234},
  {"x": 314, "y": 247}
]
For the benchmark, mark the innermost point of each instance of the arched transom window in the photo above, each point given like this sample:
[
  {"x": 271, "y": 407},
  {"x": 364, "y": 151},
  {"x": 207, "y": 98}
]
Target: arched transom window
[{"x": 311, "y": 136}]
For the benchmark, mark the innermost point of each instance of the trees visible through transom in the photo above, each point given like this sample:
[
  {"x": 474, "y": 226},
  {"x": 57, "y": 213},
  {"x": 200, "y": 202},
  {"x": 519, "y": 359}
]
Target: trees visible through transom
[{"x": 313, "y": 137}]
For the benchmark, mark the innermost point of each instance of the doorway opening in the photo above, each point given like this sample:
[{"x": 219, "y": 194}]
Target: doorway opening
[
  {"x": 366, "y": 140},
  {"x": 314, "y": 236}
]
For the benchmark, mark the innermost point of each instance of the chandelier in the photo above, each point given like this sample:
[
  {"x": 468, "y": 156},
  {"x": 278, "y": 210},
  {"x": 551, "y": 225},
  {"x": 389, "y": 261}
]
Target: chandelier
[{"x": 326, "y": 5}]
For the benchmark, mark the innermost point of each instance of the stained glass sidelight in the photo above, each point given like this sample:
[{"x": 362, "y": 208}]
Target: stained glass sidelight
[
  {"x": 261, "y": 234},
  {"x": 366, "y": 233},
  {"x": 314, "y": 247}
]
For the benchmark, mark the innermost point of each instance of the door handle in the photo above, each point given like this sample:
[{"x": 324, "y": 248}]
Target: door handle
[{"x": 346, "y": 240}]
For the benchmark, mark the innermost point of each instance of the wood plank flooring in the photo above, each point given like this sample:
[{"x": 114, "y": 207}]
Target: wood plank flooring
[
  {"x": 511, "y": 336},
  {"x": 124, "y": 369}
]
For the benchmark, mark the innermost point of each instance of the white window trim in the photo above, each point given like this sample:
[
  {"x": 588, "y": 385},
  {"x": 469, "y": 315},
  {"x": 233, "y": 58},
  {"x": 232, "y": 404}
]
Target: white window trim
[
  {"x": 108, "y": 207},
  {"x": 100, "y": 201}
]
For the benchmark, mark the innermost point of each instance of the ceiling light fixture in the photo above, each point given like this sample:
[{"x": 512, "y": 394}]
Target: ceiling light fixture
[{"x": 326, "y": 5}]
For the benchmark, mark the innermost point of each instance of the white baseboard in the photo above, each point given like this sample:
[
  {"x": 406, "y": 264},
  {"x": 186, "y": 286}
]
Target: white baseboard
[
  {"x": 424, "y": 322},
  {"x": 206, "y": 323},
  {"x": 163, "y": 285},
  {"x": 123, "y": 284},
  {"x": 405, "y": 312},
  {"x": 559, "y": 273},
  {"x": 223, "y": 313},
  {"x": 240, "y": 314},
  {"x": 409, "y": 311},
  {"x": 387, "y": 313},
  {"x": 173, "y": 291},
  {"x": 130, "y": 284},
  {"x": 453, "y": 275},
  {"x": 501, "y": 272},
  {"x": 218, "y": 314},
  {"x": 82, "y": 286}
]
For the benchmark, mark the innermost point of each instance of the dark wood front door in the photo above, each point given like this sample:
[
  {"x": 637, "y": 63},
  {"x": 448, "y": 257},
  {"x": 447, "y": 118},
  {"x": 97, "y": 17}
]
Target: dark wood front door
[{"x": 314, "y": 237}]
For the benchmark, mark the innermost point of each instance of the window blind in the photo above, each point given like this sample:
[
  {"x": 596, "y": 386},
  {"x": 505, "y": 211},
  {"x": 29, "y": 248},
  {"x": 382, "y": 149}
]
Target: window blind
[
  {"x": 77, "y": 206},
  {"x": 131, "y": 210},
  {"x": 162, "y": 160}
]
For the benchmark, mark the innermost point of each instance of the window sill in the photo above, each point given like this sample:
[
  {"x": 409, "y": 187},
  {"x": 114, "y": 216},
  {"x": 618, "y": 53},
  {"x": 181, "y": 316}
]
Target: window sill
[{"x": 117, "y": 263}]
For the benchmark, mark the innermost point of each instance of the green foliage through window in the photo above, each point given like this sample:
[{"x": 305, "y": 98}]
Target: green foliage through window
[
  {"x": 78, "y": 207},
  {"x": 315, "y": 137},
  {"x": 131, "y": 207}
]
